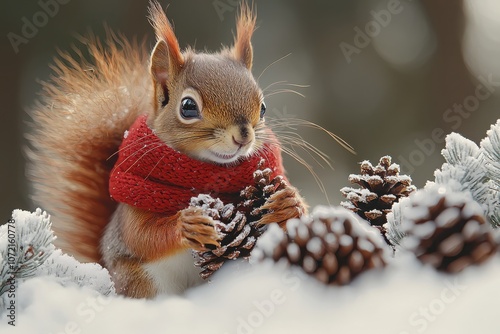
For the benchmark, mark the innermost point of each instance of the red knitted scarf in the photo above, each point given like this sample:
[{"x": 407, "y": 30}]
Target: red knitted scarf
[{"x": 152, "y": 176}]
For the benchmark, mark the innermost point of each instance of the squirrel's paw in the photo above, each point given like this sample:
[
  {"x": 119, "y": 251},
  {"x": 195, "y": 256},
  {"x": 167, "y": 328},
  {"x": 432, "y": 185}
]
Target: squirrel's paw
[
  {"x": 283, "y": 205},
  {"x": 197, "y": 229}
]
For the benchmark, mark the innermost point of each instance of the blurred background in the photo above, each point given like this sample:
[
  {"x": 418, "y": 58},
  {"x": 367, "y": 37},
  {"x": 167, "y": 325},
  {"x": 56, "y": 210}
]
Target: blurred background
[{"x": 389, "y": 77}]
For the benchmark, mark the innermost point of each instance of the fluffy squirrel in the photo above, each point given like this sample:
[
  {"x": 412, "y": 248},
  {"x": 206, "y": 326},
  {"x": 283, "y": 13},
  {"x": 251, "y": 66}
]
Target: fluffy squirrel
[{"x": 120, "y": 143}]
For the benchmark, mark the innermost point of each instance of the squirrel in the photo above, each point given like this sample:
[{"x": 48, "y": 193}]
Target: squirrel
[{"x": 120, "y": 143}]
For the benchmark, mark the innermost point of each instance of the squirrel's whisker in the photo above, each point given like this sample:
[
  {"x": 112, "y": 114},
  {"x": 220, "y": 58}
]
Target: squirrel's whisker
[
  {"x": 279, "y": 91},
  {"x": 290, "y": 122},
  {"x": 290, "y": 152},
  {"x": 274, "y": 83},
  {"x": 296, "y": 140},
  {"x": 142, "y": 156},
  {"x": 136, "y": 142},
  {"x": 156, "y": 165},
  {"x": 284, "y": 83},
  {"x": 268, "y": 66},
  {"x": 136, "y": 153}
]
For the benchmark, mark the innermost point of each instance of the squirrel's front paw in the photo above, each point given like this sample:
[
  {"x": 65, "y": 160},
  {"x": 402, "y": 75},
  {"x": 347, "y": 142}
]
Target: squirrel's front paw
[
  {"x": 283, "y": 205},
  {"x": 197, "y": 229}
]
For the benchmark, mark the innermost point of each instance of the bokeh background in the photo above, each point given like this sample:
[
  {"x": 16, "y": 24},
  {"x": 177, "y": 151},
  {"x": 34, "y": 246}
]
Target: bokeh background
[{"x": 385, "y": 94}]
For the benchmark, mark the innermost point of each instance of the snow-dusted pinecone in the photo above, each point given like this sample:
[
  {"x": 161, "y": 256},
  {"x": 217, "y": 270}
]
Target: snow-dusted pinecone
[
  {"x": 238, "y": 237},
  {"x": 255, "y": 196},
  {"x": 332, "y": 245},
  {"x": 447, "y": 230},
  {"x": 381, "y": 186}
]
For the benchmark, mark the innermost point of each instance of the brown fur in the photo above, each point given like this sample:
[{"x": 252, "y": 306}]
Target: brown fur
[
  {"x": 245, "y": 27},
  {"x": 77, "y": 127},
  {"x": 130, "y": 279}
]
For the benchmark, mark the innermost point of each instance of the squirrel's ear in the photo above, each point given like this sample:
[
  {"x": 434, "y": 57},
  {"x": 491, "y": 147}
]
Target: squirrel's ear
[
  {"x": 161, "y": 73},
  {"x": 166, "y": 58},
  {"x": 245, "y": 26}
]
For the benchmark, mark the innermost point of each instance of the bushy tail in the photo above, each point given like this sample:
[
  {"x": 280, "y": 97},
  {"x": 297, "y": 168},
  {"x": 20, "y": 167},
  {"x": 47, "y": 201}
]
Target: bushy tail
[{"x": 78, "y": 124}]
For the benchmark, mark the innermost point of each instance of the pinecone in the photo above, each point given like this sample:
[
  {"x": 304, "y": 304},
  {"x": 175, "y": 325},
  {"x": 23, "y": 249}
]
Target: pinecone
[
  {"x": 255, "y": 196},
  {"x": 382, "y": 186},
  {"x": 333, "y": 245},
  {"x": 447, "y": 230},
  {"x": 238, "y": 237},
  {"x": 237, "y": 225}
]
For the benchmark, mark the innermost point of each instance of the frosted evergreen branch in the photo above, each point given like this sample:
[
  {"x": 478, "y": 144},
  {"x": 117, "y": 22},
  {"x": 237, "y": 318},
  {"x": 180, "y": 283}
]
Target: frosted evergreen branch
[
  {"x": 466, "y": 169},
  {"x": 68, "y": 271},
  {"x": 458, "y": 149},
  {"x": 25, "y": 243},
  {"x": 469, "y": 176},
  {"x": 490, "y": 147},
  {"x": 394, "y": 220},
  {"x": 27, "y": 251},
  {"x": 491, "y": 152}
]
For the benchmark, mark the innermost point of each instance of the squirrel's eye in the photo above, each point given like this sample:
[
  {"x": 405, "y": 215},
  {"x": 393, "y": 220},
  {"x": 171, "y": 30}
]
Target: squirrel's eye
[
  {"x": 189, "y": 108},
  {"x": 262, "y": 110}
]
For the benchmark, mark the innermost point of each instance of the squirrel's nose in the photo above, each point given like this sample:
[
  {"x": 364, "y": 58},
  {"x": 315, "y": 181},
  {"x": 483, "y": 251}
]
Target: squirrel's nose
[
  {"x": 244, "y": 137},
  {"x": 241, "y": 141}
]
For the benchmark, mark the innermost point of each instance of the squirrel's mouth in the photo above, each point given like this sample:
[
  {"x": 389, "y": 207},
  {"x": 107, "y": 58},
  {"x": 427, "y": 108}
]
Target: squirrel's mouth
[
  {"x": 224, "y": 156},
  {"x": 228, "y": 158}
]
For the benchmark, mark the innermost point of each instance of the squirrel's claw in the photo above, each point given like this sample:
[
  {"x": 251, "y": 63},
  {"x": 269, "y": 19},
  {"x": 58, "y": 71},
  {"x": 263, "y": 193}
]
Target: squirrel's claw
[
  {"x": 283, "y": 205},
  {"x": 197, "y": 229}
]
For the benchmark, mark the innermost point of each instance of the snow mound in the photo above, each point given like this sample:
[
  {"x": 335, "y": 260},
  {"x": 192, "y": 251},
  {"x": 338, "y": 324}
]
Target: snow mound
[{"x": 402, "y": 299}]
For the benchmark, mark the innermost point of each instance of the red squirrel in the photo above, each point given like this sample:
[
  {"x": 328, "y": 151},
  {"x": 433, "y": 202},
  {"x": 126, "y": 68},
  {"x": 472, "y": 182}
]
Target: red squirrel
[{"x": 201, "y": 110}]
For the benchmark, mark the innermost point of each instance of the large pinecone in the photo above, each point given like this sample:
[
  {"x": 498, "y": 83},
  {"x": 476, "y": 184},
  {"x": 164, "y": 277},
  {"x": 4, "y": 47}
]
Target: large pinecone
[
  {"x": 255, "y": 196},
  {"x": 447, "y": 230},
  {"x": 381, "y": 187},
  {"x": 238, "y": 237},
  {"x": 237, "y": 225},
  {"x": 332, "y": 245}
]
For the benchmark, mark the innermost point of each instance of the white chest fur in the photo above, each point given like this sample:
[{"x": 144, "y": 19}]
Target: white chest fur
[{"x": 174, "y": 274}]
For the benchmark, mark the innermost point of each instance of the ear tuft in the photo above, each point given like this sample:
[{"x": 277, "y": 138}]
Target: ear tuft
[
  {"x": 165, "y": 32},
  {"x": 245, "y": 26}
]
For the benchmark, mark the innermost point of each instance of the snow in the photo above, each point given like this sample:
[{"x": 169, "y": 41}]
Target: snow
[
  {"x": 67, "y": 270},
  {"x": 365, "y": 245},
  {"x": 423, "y": 231},
  {"x": 448, "y": 217},
  {"x": 265, "y": 298},
  {"x": 471, "y": 229},
  {"x": 471, "y": 209},
  {"x": 393, "y": 168},
  {"x": 345, "y": 240},
  {"x": 314, "y": 245},
  {"x": 302, "y": 232},
  {"x": 319, "y": 229},
  {"x": 273, "y": 236},
  {"x": 374, "y": 212},
  {"x": 293, "y": 251},
  {"x": 363, "y": 195}
]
